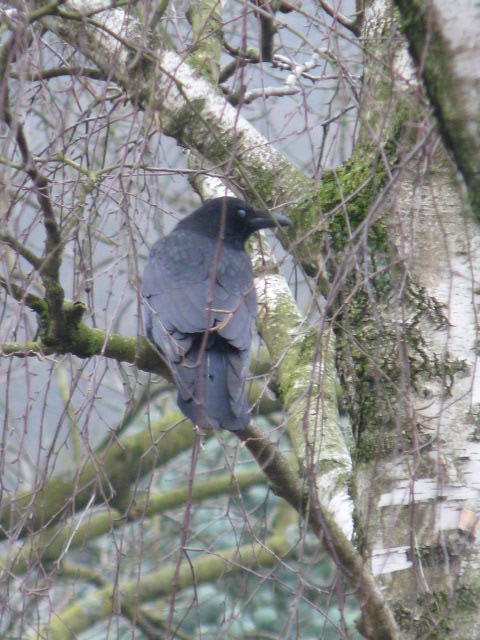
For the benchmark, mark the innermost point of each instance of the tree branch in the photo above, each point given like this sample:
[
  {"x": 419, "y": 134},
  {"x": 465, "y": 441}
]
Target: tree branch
[
  {"x": 98, "y": 604},
  {"x": 36, "y": 262},
  {"x": 57, "y": 72},
  {"x": 352, "y": 25},
  {"x": 87, "y": 342},
  {"x": 107, "y": 477},
  {"x": 446, "y": 52},
  {"x": 52, "y": 543},
  {"x": 34, "y": 302}
]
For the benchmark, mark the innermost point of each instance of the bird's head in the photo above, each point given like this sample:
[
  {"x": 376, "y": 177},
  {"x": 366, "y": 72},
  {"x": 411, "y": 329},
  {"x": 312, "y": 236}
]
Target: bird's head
[{"x": 236, "y": 218}]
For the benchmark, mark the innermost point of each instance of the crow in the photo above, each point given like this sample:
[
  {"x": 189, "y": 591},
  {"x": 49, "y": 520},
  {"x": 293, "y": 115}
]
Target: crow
[{"x": 200, "y": 307}]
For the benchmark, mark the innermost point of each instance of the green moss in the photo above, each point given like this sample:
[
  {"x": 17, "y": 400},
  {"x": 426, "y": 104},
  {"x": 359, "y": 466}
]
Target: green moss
[
  {"x": 436, "y": 66},
  {"x": 206, "y": 20},
  {"x": 186, "y": 119},
  {"x": 437, "y": 612},
  {"x": 89, "y": 342},
  {"x": 342, "y": 202},
  {"x": 371, "y": 358}
]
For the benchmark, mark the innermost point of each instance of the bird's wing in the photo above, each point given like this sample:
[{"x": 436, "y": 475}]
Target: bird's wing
[
  {"x": 180, "y": 276},
  {"x": 235, "y": 304},
  {"x": 174, "y": 288},
  {"x": 235, "y": 300}
]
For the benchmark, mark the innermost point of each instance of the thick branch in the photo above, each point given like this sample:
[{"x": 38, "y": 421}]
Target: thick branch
[
  {"x": 34, "y": 302},
  {"x": 51, "y": 544},
  {"x": 95, "y": 342},
  {"x": 352, "y": 25},
  {"x": 378, "y": 622},
  {"x": 443, "y": 38},
  {"x": 22, "y": 250},
  {"x": 107, "y": 477},
  {"x": 98, "y": 604}
]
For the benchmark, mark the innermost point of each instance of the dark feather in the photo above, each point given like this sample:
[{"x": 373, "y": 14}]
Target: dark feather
[{"x": 200, "y": 308}]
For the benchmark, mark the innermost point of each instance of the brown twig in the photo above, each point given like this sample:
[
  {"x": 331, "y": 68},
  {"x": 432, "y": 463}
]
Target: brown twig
[
  {"x": 50, "y": 266},
  {"x": 57, "y": 72}
]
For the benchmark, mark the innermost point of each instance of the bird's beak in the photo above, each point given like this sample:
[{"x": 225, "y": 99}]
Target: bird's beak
[{"x": 264, "y": 220}]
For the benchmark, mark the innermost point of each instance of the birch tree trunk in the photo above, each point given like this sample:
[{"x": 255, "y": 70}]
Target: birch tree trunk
[{"x": 417, "y": 470}]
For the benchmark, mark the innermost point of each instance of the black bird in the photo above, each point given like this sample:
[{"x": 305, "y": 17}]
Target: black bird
[{"x": 200, "y": 307}]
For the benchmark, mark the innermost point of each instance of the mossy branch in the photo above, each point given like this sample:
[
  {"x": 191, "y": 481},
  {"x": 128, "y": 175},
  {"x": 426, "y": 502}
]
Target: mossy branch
[
  {"x": 22, "y": 250},
  {"x": 98, "y": 605},
  {"x": 206, "y": 20},
  {"x": 107, "y": 476},
  {"x": 53, "y": 543},
  {"x": 49, "y": 269}
]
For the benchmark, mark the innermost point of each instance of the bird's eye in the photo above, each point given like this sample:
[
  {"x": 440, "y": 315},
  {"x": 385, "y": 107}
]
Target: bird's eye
[{"x": 242, "y": 213}]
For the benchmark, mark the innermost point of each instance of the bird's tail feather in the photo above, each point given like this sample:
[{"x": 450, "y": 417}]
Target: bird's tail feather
[{"x": 204, "y": 381}]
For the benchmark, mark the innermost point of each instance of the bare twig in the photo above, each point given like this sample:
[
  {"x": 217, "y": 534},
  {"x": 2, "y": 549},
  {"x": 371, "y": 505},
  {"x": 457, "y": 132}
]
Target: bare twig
[
  {"x": 265, "y": 92},
  {"x": 57, "y": 72}
]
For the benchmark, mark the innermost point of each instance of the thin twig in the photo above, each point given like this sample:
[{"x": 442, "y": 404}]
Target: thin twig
[
  {"x": 57, "y": 72},
  {"x": 264, "y": 92}
]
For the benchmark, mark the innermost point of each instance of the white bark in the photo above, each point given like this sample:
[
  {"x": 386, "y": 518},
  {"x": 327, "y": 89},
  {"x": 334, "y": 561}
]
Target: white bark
[
  {"x": 447, "y": 57},
  {"x": 410, "y": 502}
]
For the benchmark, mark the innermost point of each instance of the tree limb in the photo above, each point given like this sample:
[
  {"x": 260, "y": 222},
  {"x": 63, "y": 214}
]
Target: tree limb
[
  {"x": 352, "y": 25},
  {"x": 58, "y": 72},
  {"x": 52, "y": 543},
  {"x": 98, "y": 604},
  {"x": 443, "y": 39}
]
